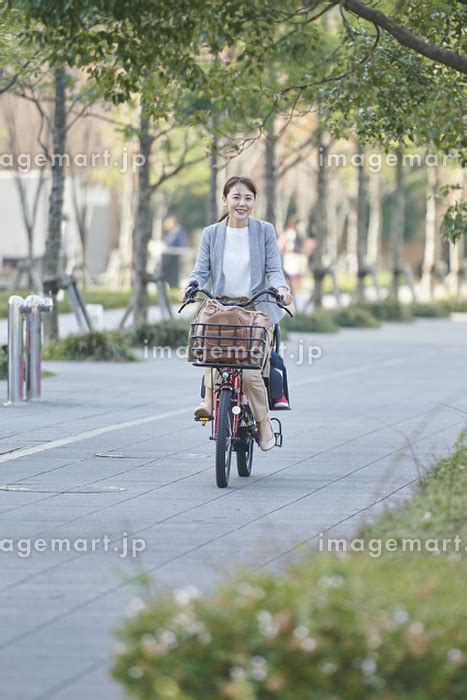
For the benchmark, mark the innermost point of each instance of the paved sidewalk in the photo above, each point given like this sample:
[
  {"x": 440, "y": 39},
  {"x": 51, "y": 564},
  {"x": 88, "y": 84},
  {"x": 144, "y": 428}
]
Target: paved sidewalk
[{"x": 113, "y": 450}]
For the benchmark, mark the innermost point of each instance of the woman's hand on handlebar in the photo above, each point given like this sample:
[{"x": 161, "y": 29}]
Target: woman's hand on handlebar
[
  {"x": 185, "y": 294},
  {"x": 286, "y": 296},
  {"x": 281, "y": 296}
]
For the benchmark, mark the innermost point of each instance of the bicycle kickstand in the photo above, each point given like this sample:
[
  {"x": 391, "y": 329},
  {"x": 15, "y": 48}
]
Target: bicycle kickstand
[{"x": 278, "y": 433}]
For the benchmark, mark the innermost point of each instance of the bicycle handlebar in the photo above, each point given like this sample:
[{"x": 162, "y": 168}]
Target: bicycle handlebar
[{"x": 193, "y": 289}]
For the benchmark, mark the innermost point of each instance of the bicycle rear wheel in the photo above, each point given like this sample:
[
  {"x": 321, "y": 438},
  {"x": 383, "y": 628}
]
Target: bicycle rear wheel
[{"x": 223, "y": 439}]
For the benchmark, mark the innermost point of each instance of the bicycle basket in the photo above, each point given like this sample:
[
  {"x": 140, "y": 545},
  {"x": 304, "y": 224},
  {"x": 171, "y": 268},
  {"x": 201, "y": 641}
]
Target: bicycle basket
[{"x": 227, "y": 345}]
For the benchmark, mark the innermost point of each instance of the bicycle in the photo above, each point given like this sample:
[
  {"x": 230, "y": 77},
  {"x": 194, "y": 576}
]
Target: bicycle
[{"x": 233, "y": 424}]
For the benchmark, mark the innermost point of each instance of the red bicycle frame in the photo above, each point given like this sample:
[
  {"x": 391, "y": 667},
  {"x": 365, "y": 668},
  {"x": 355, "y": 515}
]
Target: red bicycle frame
[{"x": 233, "y": 381}]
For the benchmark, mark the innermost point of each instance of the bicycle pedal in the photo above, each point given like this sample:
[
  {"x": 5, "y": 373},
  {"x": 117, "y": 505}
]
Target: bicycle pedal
[{"x": 203, "y": 420}]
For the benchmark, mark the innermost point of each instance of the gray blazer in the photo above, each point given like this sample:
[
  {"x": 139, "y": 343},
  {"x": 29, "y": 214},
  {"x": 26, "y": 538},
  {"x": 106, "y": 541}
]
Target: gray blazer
[{"x": 265, "y": 262}]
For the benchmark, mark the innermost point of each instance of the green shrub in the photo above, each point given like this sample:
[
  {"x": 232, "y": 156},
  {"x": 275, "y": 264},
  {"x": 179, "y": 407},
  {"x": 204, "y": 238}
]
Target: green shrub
[
  {"x": 349, "y": 628},
  {"x": 3, "y": 363},
  {"x": 109, "y": 298},
  {"x": 355, "y": 316},
  {"x": 439, "y": 507},
  {"x": 4, "y": 366},
  {"x": 320, "y": 321},
  {"x": 347, "y": 282},
  {"x": 173, "y": 333},
  {"x": 458, "y": 304},
  {"x": 5, "y": 294},
  {"x": 97, "y": 345},
  {"x": 433, "y": 310},
  {"x": 389, "y": 310}
]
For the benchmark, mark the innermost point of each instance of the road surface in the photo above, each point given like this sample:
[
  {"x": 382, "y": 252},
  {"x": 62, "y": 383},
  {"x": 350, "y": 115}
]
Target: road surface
[{"x": 113, "y": 452}]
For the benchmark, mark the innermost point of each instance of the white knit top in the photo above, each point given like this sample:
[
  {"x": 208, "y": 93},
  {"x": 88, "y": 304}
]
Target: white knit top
[{"x": 236, "y": 263}]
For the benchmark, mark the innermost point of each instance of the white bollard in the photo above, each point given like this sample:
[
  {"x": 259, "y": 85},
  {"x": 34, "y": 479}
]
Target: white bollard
[
  {"x": 16, "y": 308},
  {"x": 36, "y": 306}
]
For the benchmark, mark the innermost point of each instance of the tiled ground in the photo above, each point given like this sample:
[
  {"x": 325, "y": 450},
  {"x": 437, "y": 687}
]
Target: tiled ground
[{"x": 377, "y": 408}]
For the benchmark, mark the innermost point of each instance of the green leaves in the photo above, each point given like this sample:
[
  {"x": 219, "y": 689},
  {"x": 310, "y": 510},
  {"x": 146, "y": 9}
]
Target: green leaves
[
  {"x": 454, "y": 225},
  {"x": 235, "y": 58}
]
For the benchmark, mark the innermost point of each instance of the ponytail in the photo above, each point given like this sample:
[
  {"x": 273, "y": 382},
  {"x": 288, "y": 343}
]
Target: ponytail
[{"x": 224, "y": 216}]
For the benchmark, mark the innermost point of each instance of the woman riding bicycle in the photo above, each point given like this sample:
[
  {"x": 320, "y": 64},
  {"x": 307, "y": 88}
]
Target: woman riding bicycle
[{"x": 239, "y": 256}]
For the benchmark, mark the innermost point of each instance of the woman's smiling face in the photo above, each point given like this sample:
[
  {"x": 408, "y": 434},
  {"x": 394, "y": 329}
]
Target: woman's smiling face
[{"x": 240, "y": 202}]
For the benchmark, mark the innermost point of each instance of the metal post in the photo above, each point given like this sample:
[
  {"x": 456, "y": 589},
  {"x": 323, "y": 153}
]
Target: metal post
[
  {"x": 77, "y": 303},
  {"x": 35, "y": 305},
  {"x": 16, "y": 308}
]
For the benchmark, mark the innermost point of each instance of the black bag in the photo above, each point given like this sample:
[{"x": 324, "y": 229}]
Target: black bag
[{"x": 277, "y": 384}]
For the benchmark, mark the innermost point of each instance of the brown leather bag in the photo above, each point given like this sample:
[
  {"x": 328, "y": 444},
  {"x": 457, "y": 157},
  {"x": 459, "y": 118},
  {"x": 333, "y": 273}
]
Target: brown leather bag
[{"x": 228, "y": 334}]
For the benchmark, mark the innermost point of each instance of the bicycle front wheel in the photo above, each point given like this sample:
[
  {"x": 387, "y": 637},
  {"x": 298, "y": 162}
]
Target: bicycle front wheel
[
  {"x": 224, "y": 439},
  {"x": 244, "y": 452}
]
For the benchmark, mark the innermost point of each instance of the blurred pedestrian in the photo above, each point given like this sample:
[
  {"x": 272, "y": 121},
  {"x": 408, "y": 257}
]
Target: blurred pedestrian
[
  {"x": 175, "y": 234},
  {"x": 291, "y": 246}
]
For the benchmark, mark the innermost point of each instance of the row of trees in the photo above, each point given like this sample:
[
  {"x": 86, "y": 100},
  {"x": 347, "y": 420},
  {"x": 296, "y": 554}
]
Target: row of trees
[{"x": 232, "y": 73}]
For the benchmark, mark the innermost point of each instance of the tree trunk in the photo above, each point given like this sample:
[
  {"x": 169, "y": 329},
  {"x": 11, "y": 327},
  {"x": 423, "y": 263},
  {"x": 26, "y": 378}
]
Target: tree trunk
[
  {"x": 427, "y": 282},
  {"x": 455, "y": 267},
  {"x": 28, "y": 212},
  {"x": 53, "y": 243},
  {"x": 320, "y": 219},
  {"x": 351, "y": 248},
  {"x": 441, "y": 245},
  {"x": 456, "y": 249},
  {"x": 213, "y": 208},
  {"x": 397, "y": 225},
  {"x": 125, "y": 243},
  {"x": 332, "y": 214},
  {"x": 361, "y": 226},
  {"x": 142, "y": 227},
  {"x": 271, "y": 173},
  {"x": 374, "y": 223},
  {"x": 304, "y": 190},
  {"x": 159, "y": 204},
  {"x": 282, "y": 205}
]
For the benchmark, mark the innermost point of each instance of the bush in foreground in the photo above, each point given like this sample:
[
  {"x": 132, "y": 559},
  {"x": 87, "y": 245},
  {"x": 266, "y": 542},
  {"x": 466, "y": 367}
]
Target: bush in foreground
[
  {"x": 347, "y": 628},
  {"x": 171, "y": 333},
  {"x": 320, "y": 321},
  {"x": 96, "y": 345},
  {"x": 433, "y": 310},
  {"x": 332, "y": 627},
  {"x": 458, "y": 304},
  {"x": 438, "y": 508},
  {"x": 389, "y": 310},
  {"x": 355, "y": 316}
]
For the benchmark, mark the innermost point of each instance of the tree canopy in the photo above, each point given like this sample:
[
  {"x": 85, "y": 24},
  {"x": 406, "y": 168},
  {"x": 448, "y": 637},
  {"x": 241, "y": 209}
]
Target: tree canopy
[
  {"x": 389, "y": 75},
  {"x": 385, "y": 73}
]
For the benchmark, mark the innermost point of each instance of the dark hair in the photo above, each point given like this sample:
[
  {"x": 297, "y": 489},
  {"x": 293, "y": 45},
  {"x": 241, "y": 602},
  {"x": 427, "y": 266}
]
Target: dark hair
[{"x": 236, "y": 180}]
